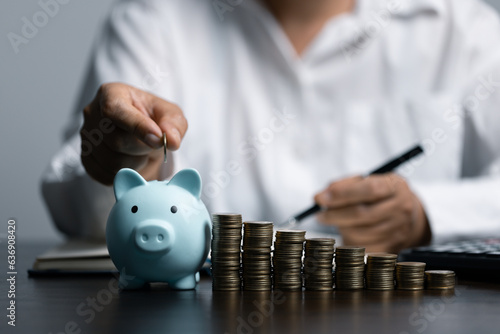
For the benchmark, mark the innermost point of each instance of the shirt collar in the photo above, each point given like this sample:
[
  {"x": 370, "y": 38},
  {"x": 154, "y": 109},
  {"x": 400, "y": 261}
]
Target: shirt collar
[
  {"x": 404, "y": 7},
  {"x": 350, "y": 27},
  {"x": 401, "y": 8}
]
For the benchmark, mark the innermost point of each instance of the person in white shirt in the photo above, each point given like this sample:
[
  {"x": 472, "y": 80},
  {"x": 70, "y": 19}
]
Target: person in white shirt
[{"x": 286, "y": 102}]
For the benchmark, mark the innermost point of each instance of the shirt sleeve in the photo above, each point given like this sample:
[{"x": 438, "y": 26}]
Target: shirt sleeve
[
  {"x": 470, "y": 207},
  {"x": 130, "y": 50}
]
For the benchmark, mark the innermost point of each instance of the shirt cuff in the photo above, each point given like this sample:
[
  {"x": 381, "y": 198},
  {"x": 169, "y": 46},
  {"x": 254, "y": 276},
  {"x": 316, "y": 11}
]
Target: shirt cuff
[{"x": 462, "y": 209}]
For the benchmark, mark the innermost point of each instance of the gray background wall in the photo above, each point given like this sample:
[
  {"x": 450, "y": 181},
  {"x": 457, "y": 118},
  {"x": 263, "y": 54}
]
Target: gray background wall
[{"x": 38, "y": 88}]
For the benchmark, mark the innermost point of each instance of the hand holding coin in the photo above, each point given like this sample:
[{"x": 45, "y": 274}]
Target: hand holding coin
[{"x": 130, "y": 123}]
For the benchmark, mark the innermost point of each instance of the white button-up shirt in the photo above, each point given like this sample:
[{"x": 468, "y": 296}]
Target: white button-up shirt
[{"x": 268, "y": 128}]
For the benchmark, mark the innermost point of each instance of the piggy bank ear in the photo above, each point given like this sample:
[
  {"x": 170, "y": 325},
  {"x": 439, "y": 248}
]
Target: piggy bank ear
[
  {"x": 125, "y": 180},
  {"x": 188, "y": 179}
]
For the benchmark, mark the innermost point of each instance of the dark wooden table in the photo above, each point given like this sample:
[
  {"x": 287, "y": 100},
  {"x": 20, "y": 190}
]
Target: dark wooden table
[{"x": 92, "y": 305}]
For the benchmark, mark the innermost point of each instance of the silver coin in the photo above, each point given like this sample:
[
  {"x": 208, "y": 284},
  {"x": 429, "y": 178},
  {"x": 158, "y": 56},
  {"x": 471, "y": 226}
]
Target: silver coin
[{"x": 164, "y": 147}]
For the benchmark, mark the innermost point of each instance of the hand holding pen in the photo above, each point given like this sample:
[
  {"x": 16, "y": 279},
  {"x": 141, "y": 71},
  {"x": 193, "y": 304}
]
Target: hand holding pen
[{"x": 378, "y": 211}]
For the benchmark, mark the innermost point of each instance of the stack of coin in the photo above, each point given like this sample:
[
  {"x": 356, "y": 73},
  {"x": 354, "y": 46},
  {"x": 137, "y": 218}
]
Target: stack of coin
[
  {"x": 318, "y": 263},
  {"x": 257, "y": 241},
  {"x": 226, "y": 244},
  {"x": 410, "y": 275},
  {"x": 380, "y": 271},
  {"x": 287, "y": 259},
  {"x": 440, "y": 279},
  {"x": 349, "y": 268}
]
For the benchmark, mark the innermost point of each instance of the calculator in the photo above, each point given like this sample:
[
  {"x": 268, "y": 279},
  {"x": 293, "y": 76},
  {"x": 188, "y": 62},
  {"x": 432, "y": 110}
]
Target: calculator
[{"x": 473, "y": 259}]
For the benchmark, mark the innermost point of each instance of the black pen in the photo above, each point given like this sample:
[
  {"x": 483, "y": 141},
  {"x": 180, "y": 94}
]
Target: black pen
[{"x": 387, "y": 167}]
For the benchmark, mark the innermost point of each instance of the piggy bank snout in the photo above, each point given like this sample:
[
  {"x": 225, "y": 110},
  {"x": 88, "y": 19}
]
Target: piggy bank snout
[{"x": 154, "y": 236}]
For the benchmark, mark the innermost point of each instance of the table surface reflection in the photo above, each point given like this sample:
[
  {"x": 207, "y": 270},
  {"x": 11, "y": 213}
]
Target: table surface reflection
[{"x": 91, "y": 305}]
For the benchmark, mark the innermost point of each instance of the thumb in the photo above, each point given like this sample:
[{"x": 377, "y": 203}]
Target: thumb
[
  {"x": 323, "y": 198},
  {"x": 335, "y": 193}
]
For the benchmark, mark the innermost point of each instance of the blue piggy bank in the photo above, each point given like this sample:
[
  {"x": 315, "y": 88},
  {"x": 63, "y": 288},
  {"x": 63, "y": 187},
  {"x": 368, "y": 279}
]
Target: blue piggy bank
[{"x": 158, "y": 231}]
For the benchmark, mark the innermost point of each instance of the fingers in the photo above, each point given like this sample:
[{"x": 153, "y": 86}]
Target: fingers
[
  {"x": 385, "y": 247},
  {"x": 386, "y": 231},
  {"x": 124, "y": 106},
  {"x": 339, "y": 189},
  {"x": 376, "y": 212},
  {"x": 171, "y": 120},
  {"x": 96, "y": 171},
  {"x": 135, "y": 122},
  {"x": 114, "y": 160},
  {"x": 357, "y": 190},
  {"x": 142, "y": 115},
  {"x": 389, "y": 217},
  {"x": 393, "y": 244},
  {"x": 103, "y": 164},
  {"x": 359, "y": 215}
]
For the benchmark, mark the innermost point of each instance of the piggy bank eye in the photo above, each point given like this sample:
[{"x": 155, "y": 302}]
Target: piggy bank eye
[
  {"x": 173, "y": 209},
  {"x": 134, "y": 209}
]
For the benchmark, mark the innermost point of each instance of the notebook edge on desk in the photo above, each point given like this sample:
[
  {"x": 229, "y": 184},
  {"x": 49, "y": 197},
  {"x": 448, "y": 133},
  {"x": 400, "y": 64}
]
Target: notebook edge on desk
[{"x": 74, "y": 257}]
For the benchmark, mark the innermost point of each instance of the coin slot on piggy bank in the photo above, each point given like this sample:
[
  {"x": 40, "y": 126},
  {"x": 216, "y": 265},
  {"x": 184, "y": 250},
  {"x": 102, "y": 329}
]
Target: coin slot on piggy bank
[{"x": 158, "y": 231}]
